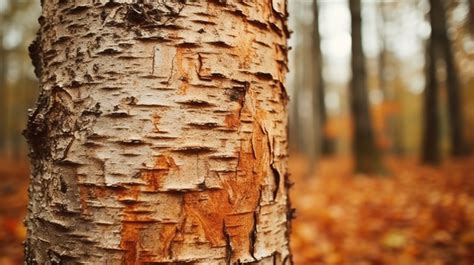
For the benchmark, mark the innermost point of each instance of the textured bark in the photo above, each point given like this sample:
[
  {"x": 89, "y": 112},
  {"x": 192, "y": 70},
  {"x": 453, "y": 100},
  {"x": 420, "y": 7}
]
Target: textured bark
[
  {"x": 441, "y": 39},
  {"x": 160, "y": 135},
  {"x": 367, "y": 156}
]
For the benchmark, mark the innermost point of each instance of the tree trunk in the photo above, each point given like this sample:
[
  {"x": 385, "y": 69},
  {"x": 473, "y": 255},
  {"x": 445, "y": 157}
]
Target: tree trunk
[
  {"x": 439, "y": 46},
  {"x": 160, "y": 135},
  {"x": 440, "y": 33},
  {"x": 430, "y": 153},
  {"x": 367, "y": 156},
  {"x": 382, "y": 59},
  {"x": 386, "y": 63},
  {"x": 297, "y": 140},
  {"x": 470, "y": 20},
  {"x": 326, "y": 145},
  {"x": 3, "y": 89}
]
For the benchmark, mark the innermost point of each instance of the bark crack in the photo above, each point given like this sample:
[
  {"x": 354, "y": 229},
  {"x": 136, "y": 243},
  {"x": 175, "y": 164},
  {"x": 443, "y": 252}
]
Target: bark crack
[{"x": 228, "y": 245}]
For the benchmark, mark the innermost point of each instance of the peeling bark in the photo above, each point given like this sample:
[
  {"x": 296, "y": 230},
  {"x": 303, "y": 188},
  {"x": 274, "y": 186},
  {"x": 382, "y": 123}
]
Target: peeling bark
[{"x": 160, "y": 134}]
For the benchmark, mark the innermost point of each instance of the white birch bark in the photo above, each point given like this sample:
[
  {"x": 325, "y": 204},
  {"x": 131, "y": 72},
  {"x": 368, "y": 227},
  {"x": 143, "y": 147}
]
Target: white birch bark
[{"x": 160, "y": 135}]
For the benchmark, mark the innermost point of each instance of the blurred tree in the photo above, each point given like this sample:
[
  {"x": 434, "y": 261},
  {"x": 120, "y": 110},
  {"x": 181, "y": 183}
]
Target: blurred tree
[
  {"x": 386, "y": 64},
  {"x": 17, "y": 82},
  {"x": 430, "y": 152},
  {"x": 456, "y": 122},
  {"x": 3, "y": 84},
  {"x": 382, "y": 63},
  {"x": 325, "y": 145},
  {"x": 308, "y": 131},
  {"x": 439, "y": 48},
  {"x": 296, "y": 137},
  {"x": 304, "y": 127},
  {"x": 470, "y": 20},
  {"x": 367, "y": 156}
]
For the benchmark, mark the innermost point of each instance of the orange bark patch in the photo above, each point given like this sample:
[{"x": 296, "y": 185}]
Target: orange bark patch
[
  {"x": 207, "y": 211},
  {"x": 83, "y": 198},
  {"x": 134, "y": 220},
  {"x": 239, "y": 227},
  {"x": 164, "y": 162},
  {"x": 153, "y": 177},
  {"x": 245, "y": 51},
  {"x": 234, "y": 205},
  {"x": 183, "y": 68},
  {"x": 266, "y": 9},
  {"x": 129, "y": 242},
  {"x": 232, "y": 120},
  {"x": 156, "y": 242},
  {"x": 167, "y": 233},
  {"x": 90, "y": 193},
  {"x": 130, "y": 224}
]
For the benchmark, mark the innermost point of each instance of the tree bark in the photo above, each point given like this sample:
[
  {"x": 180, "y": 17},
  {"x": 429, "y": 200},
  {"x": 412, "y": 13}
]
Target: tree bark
[
  {"x": 440, "y": 34},
  {"x": 160, "y": 135},
  {"x": 367, "y": 156}
]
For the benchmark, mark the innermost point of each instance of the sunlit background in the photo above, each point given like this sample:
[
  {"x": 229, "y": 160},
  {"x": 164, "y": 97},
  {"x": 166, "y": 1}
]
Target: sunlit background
[
  {"x": 414, "y": 214},
  {"x": 396, "y": 30}
]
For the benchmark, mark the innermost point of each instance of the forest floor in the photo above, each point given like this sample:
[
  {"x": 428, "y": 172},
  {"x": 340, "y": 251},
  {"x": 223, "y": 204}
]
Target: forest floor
[
  {"x": 14, "y": 176},
  {"x": 417, "y": 215}
]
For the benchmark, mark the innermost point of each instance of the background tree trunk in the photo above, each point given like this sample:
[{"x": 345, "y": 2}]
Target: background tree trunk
[
  {"x": 3, "y": 88},
  {"x": 470, "y": 19},
  {"x": 389, "y": 91},
  {"x": 325, "y": 145},
  {"x": 367, "y": 156},
  {"x": 160, "y": 134},
  {"x": 439, "y": 47},
  {"x": 430, "y": 153},
  {"x": 383, "y": 55},
  {"x": 441, "y": 39}
]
